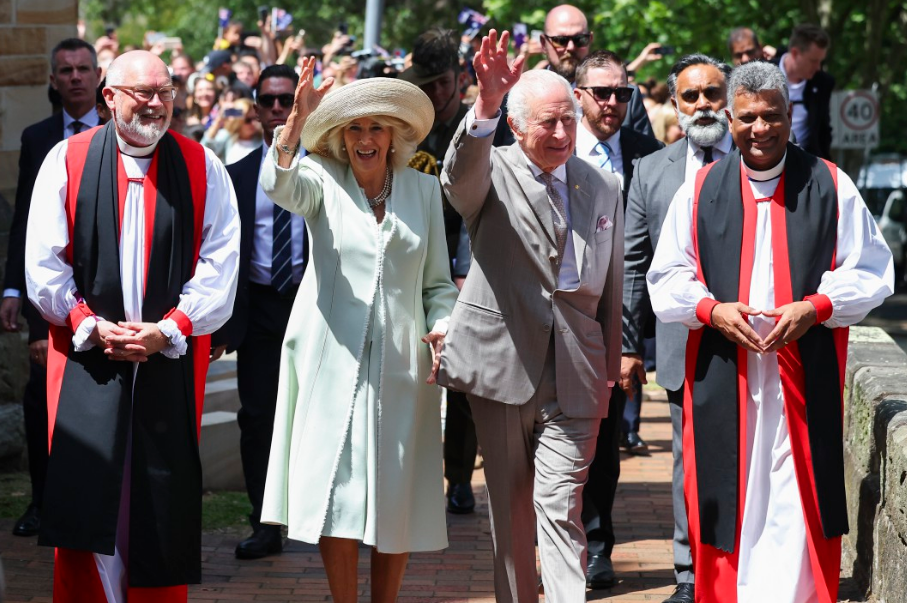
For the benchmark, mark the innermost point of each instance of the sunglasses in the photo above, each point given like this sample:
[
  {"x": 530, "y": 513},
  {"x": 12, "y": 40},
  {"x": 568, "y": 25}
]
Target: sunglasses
[
  {"x": 579, "y": 40},
  {"x": 603, "y": 93},
  {"x": 267, "y": 100}
]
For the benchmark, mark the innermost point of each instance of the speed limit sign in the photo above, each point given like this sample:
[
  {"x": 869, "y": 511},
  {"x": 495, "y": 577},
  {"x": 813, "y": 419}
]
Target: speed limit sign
[{"x": 855, "y": 119}]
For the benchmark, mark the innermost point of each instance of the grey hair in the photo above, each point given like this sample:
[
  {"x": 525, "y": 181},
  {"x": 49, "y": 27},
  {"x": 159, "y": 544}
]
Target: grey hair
[
  {"x": 533, "y": 84},
  {"x": 403, "y": 141},
  {"x": 756, "y": 77},
  {"x": 691, "y": 60}
]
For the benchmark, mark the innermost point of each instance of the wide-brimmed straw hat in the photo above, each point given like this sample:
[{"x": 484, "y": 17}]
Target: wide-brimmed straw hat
[{"x": 367, "y": 98}]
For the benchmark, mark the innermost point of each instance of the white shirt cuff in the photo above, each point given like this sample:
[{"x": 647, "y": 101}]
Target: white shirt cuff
[
  {"x": 480, "y": 128},
  {"x": 441, "y": 326},
  {"x": 12, "y": 293},
  {"x": 80, "y": 339},
  {"x": 178, "y": 344}
]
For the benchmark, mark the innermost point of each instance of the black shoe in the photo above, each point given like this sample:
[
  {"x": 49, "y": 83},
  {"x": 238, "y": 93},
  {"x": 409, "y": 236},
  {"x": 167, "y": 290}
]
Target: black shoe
[
  {"x": 634, "y": 444},
  {"x": 599, "y": 572},
  {"x": 460, "y": 500},
  {"x": 29, "y": 523},
  {"x": 682, "y": 594},
  {"x": 266, "y": 540}
]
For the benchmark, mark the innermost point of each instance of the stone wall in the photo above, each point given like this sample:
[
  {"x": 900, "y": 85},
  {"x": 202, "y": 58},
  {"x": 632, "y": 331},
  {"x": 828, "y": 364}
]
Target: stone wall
[
  {"x": 29, "y": 29},
  {"x": 875, "y": 464}
]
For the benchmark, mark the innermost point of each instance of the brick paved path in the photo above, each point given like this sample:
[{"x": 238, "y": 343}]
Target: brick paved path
[{"x": 463, "y": 572}]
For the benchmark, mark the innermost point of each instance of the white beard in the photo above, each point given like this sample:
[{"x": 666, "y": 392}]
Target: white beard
[
  {"x": 704, "y": 136},
  {"x": 147, "y": 134}
]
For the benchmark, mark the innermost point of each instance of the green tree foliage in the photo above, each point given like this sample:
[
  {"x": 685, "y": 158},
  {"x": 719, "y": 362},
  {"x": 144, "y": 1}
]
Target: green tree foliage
[{"x": 869, "y": 38}]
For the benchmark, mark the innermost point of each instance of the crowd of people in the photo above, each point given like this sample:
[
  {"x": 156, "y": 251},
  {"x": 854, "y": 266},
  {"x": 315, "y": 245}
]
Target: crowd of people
[{"x": 361, "y": 231}]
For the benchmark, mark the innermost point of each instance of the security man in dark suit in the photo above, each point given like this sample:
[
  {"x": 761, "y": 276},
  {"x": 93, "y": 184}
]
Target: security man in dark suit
[
  {"x": 75, "y": 76},
  {"x": 603, "y": 93},
  {"x": 273, "y": 255},
  {"x": 436, "y": 70}
]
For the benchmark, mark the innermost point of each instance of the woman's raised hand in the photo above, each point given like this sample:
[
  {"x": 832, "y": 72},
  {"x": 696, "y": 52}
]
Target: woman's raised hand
[{"x": 307, "y": 97}]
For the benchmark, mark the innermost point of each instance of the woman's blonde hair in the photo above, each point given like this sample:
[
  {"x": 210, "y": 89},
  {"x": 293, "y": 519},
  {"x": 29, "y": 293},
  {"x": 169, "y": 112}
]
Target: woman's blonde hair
[{"x": 403, "y": 141}]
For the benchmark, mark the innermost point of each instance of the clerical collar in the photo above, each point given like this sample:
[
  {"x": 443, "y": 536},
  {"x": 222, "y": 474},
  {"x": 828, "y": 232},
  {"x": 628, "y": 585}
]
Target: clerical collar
[
  {"x": 128, "y": 149},
  {"x": 769, "y": 174}
]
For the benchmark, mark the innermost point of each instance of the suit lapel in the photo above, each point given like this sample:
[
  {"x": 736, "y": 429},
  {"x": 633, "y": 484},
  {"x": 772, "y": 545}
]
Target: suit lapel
[
  {"x": 581, "y": 210},
  {"x": 676, "y": 170},
  {"x": 533, "y": 190}
]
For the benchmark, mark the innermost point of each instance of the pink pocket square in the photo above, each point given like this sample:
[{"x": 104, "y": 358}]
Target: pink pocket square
[{"x": 604, "y": 223}]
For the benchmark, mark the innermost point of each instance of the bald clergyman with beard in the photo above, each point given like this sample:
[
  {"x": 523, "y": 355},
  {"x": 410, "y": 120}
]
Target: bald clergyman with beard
[
  {"x": 131, "y": 256},
  {"x": 698, "y": 87}
]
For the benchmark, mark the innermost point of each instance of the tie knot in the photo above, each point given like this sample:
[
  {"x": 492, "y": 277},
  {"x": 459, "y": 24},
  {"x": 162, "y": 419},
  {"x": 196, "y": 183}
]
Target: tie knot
[
  {"x": 707, "y": 156},
  {"x": 548, "y": 177},
  {"x": 604, "y": 148},
  {"x": 77, "y": 126}
]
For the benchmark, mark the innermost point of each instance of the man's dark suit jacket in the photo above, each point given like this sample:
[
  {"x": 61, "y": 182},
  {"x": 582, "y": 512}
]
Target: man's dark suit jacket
[
  {"x": 37, "y": 141},
  {"x": 244, "y": 174},
  {"x": 633, "y": 147},
  {"x": 817, "y": 101}
]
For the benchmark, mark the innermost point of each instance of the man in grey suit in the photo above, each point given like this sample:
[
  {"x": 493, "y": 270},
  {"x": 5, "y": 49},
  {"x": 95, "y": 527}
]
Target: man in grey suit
[
  {"x": 698, "y": 87},
  {"x": 534, "y": 335}
]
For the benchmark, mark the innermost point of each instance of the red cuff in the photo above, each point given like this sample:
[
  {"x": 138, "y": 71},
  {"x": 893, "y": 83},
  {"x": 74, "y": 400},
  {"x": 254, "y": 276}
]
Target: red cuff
[
  {"x": 823, "y": 306},
  {"x": 704, "y": 310},
  {"x": 182, "y": 321},
  {"x": 77, "y": 315}
]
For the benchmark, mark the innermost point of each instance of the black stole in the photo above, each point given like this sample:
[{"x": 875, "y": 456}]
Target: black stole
[
  {"x": 811, "y": 215},
  {"x": 100, "y": 399}
]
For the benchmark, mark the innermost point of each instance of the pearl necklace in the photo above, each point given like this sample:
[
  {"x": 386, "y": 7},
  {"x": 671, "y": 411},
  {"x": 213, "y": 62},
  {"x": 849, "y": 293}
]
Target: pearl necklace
[{"x": 385, "y": 192}]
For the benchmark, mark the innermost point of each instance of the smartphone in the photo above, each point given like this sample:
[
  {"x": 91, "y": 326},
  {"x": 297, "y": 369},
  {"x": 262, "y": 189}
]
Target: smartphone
[
  {"x": 263, "y": 12},
  {"x": 231, "y": 112},
  {"x": 537, "y": 36},
  {"x": 666, "y": 50},
  {"x": 172, "y": 43},
  {"x": 519, "y": 35},
  {"x": 343, "y": 28}
]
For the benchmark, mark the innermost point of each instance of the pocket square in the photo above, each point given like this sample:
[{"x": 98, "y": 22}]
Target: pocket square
[{"x": 604, "y": 223}]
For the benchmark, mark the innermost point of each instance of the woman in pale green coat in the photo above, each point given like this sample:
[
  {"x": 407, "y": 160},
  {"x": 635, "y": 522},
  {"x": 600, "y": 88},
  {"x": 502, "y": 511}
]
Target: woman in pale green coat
[{"x": 356, "y": 451}]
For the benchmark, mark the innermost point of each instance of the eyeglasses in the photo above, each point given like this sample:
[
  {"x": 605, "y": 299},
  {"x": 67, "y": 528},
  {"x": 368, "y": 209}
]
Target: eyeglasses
[
  {"x": 145, "y": 94},
  {"x": 267, "y": 100},
  {"x": 603, "y": 93},
  {"x": 579, "y": 40}
]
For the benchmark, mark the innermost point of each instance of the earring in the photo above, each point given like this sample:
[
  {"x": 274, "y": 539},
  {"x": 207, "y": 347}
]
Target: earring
[
  {"x": 393, "y": 150},
  {"x": 343, "y": 148}
]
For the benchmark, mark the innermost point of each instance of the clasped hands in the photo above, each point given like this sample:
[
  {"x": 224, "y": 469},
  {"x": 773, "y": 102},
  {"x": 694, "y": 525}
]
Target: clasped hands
[
  {"x": 794, "y": 320},
  {"x": 128, "y": 341}
]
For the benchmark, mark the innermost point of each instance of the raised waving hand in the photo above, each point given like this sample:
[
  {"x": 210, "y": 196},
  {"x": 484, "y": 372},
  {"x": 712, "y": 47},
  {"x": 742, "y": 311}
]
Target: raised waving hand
[{"x": 495, "y": 73}]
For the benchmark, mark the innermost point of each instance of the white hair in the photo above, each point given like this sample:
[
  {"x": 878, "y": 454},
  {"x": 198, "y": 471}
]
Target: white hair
[
  {"x": 533, "y": 84},
  {"x": 756, "y": 77}
]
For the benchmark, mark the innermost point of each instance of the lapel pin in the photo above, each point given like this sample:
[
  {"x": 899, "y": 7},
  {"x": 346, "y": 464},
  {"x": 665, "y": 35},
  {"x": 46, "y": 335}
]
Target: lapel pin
[{"x": 576, "y": 186}]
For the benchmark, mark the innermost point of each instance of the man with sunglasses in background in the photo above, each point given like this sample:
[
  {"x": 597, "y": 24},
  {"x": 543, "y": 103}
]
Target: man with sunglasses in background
[
  {"x": 698, "y": 87},
  {"x": 602, "y": 92},
  {"x": 273, "y": 254},
  {"x": 131, "y": 255},
  {"x": 566, "y": 41}
]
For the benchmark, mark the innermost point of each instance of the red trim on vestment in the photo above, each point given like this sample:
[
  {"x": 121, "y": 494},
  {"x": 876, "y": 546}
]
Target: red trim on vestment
[
  {"x": 149, "y": 189},
  {"x": 182, "y": 321},
  {"x": 59, "y": 340},
  {"x": 77, "y": 315},
  {"x": 76, "y": 578},
  {"x": 824, "y": 554},
  {"x": 704, "y": 310},
  {"x": 194, "y": 156},
  {"x": 122, "y": 191},
  {"x": 823, "y": 306},
  {"x": 201, "y": 359}
]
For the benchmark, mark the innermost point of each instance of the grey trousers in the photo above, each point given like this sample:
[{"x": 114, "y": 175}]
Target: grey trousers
[
  {"x": 683, "y": 559},
  {"x": 536, "y": 464}
]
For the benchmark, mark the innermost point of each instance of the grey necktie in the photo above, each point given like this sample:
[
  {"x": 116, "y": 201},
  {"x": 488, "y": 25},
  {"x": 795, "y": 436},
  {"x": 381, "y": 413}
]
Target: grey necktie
[{"x": 558, "y": 215}]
